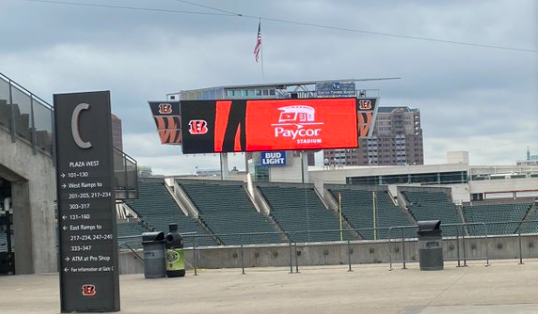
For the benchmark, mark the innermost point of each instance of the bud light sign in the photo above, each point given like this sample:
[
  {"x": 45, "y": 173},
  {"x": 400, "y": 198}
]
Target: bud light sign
[{"x": 273, "y": 158}]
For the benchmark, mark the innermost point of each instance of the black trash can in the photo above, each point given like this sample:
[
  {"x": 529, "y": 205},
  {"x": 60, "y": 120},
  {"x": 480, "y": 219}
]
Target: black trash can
[
  {"x": 430, "y": 245},
  {"x": 175, "y": 258},
  {"x": 154, "y": 261}
]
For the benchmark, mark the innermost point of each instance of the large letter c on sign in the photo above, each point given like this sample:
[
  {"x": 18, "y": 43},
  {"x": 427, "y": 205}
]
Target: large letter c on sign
[{"x": 75, "y": 131}]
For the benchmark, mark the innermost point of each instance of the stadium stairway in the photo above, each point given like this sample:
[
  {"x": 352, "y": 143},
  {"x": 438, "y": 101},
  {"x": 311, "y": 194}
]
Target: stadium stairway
[
  {"x": 299, "y": 211},
  {"x": 263, "y": 207},
  {"x": 358, "y": 208},
  {"x": 156, "y": 207},
  {"x": 529, "y": 224},
  {"x": 331, "y": 202},
  {"x": 227, "y": 208},
  {"x": 404, "y": 206},
  {"x": 433, "y": 204}
]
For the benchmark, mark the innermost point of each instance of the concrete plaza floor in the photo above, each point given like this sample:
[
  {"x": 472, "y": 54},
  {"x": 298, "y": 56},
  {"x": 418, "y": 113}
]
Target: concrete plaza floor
[{"x": 504, "y": 287}]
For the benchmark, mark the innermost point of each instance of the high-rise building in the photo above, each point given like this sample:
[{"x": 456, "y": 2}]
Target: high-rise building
[
  {"x": 532, "y": 160},
  {"x": 396, "y": 140},
  {"x": 117, "y": 134}
]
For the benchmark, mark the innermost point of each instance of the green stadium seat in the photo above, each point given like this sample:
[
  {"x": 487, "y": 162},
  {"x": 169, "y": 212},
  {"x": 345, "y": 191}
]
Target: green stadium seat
[
  {"x": 299, "y": 211},
  {"x": 359, "y": 209},
  {"x": 131, "y": 228},
  {"x": 502, "y": 212},
  {"x": 156, "y": 207},
  {"x": 431, "y": 205},
  {"x": 227, "y": 209}
]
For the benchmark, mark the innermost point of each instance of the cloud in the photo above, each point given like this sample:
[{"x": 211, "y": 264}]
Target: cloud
[{"x": 469, "y": 97}]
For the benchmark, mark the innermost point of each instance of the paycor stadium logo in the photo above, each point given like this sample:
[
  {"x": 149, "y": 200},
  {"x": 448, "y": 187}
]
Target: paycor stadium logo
[{"x": 298, "y": 123}]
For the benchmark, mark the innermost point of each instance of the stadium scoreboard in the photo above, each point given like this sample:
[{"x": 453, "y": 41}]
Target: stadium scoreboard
[{"x": 252, "y": 125}]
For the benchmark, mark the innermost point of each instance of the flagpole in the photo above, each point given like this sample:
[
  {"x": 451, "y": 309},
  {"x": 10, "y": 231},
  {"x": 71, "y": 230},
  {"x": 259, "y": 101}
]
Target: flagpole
[{"x": 261, "y": 57}]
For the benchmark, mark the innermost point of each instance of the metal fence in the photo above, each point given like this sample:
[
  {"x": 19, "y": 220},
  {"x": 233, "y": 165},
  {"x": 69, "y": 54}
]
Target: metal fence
[
  {"x": 26, "y": 116},
  {"x": 125, "y": 175},
  {"x": 459, "y": 234},
  {"x": 397, "y": 238}
]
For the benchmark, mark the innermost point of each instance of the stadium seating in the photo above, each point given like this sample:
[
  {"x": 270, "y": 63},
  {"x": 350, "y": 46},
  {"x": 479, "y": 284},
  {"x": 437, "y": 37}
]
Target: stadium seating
[
  {"x": 502, "y": 212},
  {"x": 299, "y": 209},
  {"x": 358, "y": 208},
  {"x": 531, "y": 226},
  {"x": 225, "y": 209},
  {"x": 126, "y": 229},
  {"x": 156, "y": 207},
  {"x": 431, "y": 205}
]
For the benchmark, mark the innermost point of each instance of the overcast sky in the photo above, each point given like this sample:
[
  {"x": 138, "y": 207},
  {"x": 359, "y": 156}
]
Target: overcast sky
[{"x": 478, "y": 99}]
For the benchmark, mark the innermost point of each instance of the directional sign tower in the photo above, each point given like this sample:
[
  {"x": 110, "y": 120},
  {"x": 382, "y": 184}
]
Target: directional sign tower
[{"x": 89, "y": 280}]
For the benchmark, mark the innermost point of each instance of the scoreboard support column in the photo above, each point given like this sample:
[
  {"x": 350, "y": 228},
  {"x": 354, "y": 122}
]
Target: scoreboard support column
[{"x": 224, "y": 170}]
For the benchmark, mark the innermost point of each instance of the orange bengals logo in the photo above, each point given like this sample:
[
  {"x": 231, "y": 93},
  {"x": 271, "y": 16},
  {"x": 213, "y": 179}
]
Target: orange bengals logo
[
  {"x": 165, "y": 108},
  {"x": 365, "y": 104},
  {"x": 197, "y": 127}
]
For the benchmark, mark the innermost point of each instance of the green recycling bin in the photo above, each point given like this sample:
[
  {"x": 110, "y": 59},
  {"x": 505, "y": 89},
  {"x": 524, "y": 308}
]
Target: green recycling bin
[{"x": 175, "y": 256}]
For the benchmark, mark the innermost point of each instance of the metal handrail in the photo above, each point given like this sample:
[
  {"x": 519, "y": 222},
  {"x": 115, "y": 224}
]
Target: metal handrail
[
  {"x": 23, "y": 89},
  {"x": 293, "y": 244}
]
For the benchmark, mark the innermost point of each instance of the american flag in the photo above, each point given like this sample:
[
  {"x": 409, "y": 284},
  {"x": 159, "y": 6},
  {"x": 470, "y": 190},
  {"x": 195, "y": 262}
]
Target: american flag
[{"x": 258, "y": 47}]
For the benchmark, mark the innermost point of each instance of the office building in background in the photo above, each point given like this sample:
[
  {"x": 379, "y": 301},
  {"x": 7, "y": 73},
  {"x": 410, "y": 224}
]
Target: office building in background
[{"x": 396, "y": 140}]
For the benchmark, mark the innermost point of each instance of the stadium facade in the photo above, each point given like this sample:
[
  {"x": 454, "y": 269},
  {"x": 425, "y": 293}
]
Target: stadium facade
[{"x": 280, "y": 194}]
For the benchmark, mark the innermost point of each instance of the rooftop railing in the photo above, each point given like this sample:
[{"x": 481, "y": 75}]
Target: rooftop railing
[{"x": 30, "y": 120}]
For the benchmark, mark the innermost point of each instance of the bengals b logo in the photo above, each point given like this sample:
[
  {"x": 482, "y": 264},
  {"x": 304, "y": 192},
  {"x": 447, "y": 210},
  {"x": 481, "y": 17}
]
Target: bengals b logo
[
  {"x": 88, "y": 290},
  {"x": 365, "y": 104},
  {"x": 197, "y": 127},
  {"x": 165, "y": 108}
]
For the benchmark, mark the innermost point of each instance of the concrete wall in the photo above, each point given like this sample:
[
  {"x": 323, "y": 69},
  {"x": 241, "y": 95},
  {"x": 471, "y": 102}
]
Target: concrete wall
[
  {"x": 289, "y": 173},
  {"x": 130, "y": 264},
  {"x": 504, "y": 185},
  {"x": 338, "y": 175},
  {"x": 33, "y": 180},
  {"x": 459, "y": 192},
  {"x": 260, "y": 203},
  {"x": 363, "y": 252}
]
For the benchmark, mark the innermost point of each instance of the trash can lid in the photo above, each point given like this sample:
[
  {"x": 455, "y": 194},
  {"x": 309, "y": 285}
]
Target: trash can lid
[
  {"x": 425, "y": 225},
  {"x": 156, "y": 236}
]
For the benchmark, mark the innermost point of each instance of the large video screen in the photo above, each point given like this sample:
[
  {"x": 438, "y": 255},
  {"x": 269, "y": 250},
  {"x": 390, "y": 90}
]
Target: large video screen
[{"x": 269, "y": 125}]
